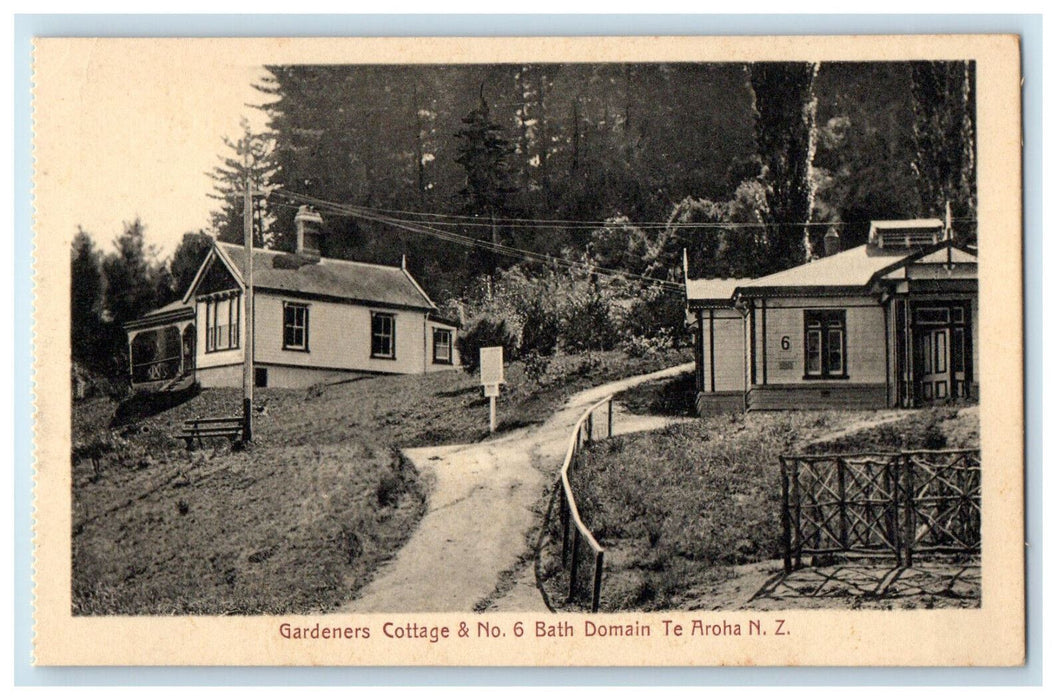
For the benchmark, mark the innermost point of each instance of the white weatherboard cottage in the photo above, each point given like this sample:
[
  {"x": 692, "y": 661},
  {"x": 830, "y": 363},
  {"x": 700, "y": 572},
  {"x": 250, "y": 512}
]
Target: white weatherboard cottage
[
  {"x": 891, "y": 323},
  {"x": 315, "y": 319}
]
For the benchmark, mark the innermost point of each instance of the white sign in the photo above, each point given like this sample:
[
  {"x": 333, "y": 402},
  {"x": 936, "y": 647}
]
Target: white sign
[
  {"x": 491, "y": 366},
  {"x": 491, "y": 390}
]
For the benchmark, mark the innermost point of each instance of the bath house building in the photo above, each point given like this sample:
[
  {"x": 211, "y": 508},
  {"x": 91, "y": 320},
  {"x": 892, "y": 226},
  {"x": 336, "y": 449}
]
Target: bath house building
[
  {"x": 892, "y": 323},
  {"x": 315, "y": 319}
]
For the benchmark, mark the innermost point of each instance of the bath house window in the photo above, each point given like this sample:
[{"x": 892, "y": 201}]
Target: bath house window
[
  {"x": 825, "y": 344},
  {"x": 383, "y": 336}
]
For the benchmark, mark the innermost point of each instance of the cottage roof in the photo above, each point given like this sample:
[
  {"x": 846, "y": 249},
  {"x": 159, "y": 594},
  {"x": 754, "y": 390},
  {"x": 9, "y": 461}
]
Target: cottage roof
[
  {"x": 174, "y": 311},
  {"x": 174, "y": 306},
  {"x": 329, "y": 277}
]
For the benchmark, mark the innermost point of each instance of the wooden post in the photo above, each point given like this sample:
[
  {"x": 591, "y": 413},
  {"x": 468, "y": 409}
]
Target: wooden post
[
  {"x": 249, "y": 357},
  {"x": 786, "y": 517},
  {"x": 796, "y": 552},
  {"x": 564, "y": 512},
  {"x": 591, "y": 427},
  {"x": 597, "y": 595},
  {"x": 844, "y": 526},
  {"x": 910, "y": 362},
  {"x": 609, "y": 419},
  {"x": 910, "y": 515},
  {"x": 491, "y": 414},
  {"x": 574, "y": 563}
]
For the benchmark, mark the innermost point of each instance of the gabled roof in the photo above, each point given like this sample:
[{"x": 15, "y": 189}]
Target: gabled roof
[
  {"x": 850, "y": 268},
  {"x": 850, "y": 271},
  {"x": 328, "y": 277}
]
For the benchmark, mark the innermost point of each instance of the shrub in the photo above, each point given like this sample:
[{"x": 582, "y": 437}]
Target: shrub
[
  {"x": 641, "y": 346},
  {"x": 485, "y": 332},
  {"x": 536, "y": 367},
  {"x": 658, "y": 314},
  {"x": 542, "y": 326},
  {"x": 588, "y": 326}
]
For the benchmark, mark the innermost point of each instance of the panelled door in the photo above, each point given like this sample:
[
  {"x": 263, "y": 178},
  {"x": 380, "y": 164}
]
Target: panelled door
[
  {"x": 941, "y": 336},
  {"x": 935, "y": 379}
]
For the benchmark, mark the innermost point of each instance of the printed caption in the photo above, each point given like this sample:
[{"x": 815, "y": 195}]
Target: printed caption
[{"x": 405, "y": 631}]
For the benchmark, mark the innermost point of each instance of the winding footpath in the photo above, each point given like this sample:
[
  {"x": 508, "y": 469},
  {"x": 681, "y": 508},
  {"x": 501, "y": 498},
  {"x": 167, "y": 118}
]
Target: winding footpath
[{"x": 484, "y": 498}]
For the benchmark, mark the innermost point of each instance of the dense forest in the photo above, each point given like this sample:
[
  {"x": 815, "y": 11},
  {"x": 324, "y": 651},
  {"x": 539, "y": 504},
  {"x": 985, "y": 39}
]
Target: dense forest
[{"x": 499, "y": 183}]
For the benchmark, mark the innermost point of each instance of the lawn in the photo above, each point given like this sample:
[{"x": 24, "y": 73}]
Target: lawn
[
  {"x": 678, "y": 507},
  {"x": 301, "y": 520}
]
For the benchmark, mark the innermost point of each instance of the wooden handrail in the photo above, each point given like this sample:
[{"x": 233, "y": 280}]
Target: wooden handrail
[{"x": 567, "y": 487}]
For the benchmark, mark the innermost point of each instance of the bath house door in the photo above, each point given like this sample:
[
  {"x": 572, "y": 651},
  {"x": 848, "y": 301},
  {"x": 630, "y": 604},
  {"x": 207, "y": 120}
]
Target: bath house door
[
  {"x": 941, "y": 339},
  {"x": 935, "y": 381}
]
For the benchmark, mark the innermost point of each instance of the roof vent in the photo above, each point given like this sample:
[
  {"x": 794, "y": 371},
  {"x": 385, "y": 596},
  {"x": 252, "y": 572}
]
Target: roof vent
[
  {"x": 309, "y": 226},
  {"x": 906, "y": 235}
]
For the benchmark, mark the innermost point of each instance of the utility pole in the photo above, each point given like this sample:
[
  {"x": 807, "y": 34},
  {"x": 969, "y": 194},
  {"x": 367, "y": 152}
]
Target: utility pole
[
  {"x": 949, "y": 236},
  {"x": 249, "y": 352},
  {"x": 494, "y": 259}
]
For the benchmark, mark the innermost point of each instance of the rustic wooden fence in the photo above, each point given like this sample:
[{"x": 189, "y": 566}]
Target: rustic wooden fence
[
  {"x": 881, "y": 504},
  {"x": 581, "y": 554}
]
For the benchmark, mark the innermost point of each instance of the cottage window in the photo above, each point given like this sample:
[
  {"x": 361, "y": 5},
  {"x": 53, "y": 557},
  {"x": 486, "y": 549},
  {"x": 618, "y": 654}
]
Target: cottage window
[
  {"x": 296, "y": 326},
  {"x": 825, "y": 344},
  {"x": 383, "y": 336},
  {"x": 222, "y": 322},
  {"x": 441, "y": 346}
]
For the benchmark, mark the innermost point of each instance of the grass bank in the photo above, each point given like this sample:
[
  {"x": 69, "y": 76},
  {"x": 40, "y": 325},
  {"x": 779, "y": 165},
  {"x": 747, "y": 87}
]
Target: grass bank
[
  {"x": 298, "y": 523},
  {"x": 676, "y": 508},
  {"x": 292, "y": 529}
]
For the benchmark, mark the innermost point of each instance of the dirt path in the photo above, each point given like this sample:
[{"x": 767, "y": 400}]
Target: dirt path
[{"x": 485, "y": 498}]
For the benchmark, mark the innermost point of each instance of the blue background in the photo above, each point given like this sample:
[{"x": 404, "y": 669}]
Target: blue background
[{"x": 1029, "y": 27}]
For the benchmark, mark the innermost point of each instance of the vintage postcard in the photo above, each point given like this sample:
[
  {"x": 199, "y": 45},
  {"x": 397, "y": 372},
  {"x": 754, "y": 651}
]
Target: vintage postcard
[{"x": 591, "y": 351}]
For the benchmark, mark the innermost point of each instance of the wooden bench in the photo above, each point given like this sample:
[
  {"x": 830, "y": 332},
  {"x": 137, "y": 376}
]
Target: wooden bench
[{"x": 196, "y": 429}]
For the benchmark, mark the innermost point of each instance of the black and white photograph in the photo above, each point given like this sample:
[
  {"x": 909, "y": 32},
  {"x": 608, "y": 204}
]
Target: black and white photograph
[{"x": 588, "y": 340}]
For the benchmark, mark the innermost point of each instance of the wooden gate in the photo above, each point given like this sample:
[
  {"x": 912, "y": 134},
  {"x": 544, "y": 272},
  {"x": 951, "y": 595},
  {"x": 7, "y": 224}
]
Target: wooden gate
[{"x": 881, "y": 504}]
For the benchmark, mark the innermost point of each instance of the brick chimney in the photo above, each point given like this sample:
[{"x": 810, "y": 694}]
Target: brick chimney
[
  {"x": 831, "y": 242},
  {"x": 309, "y": 226}
]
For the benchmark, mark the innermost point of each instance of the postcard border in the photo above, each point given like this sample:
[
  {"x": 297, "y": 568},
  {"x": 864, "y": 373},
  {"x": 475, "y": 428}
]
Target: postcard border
[{"x": 27, "y": 26}]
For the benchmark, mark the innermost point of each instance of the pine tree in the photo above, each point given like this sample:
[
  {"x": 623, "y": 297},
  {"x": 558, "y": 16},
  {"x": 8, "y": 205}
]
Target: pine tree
[
  {"x": 785, "y": 129},
  {"x": 249, "y": 156},
  {"x": 943, "y": 96},
  {"x": 187, "y": 259},
  {"x": 129, "y": 272},
  {"x": 484, "y": 154},
  {"x": 132, "y": 279},
  {"x": 86, "y": 299}
]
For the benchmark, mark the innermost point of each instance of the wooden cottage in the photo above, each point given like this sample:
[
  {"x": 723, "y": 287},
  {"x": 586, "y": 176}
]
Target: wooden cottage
[
  {"x": 315, "y": 319},
  {"x": 892, "y": 323}
]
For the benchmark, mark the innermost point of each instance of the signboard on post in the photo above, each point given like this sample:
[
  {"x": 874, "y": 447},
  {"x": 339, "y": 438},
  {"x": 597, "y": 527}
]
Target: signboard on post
[
  {"x": 491, "y": 376},
  {"x": 491, "y": 366}
]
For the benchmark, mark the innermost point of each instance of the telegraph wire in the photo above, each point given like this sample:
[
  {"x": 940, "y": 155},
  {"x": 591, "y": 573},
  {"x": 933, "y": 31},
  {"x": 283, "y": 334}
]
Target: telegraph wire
[
  {"x": 476, "y": 221},
  {"x": 499, "y": 248}
]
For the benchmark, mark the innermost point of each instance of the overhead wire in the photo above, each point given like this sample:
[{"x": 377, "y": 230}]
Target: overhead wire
[
  {"x": 518, "y": 222},
  {"x": 499, "y": 248},
  {"x": 381, "y": 215}
]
